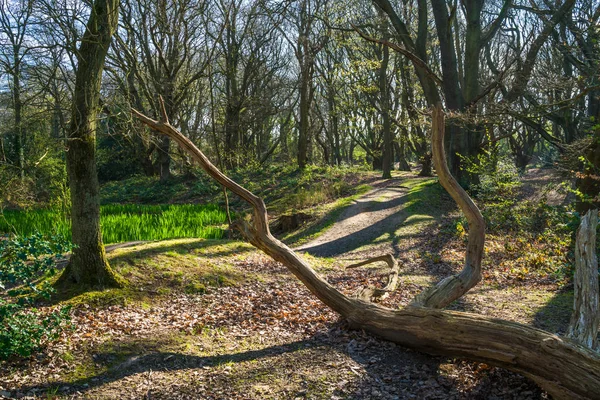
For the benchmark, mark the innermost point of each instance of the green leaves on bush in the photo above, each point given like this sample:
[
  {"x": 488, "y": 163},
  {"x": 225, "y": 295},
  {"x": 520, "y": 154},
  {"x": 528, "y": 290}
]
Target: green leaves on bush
[
  {"x": 24, "y": 331},
  {"x": 24, "y": 259},
  {"x": 498, "y": 177},
  {"x": 25, "y": 265}
]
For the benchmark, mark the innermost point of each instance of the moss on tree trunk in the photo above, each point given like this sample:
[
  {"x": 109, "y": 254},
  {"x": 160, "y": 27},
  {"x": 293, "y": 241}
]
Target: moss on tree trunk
[{"x": 88, "y": 264}]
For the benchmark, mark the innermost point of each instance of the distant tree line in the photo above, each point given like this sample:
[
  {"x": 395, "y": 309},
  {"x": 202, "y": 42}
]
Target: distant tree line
[{"x": 309, "y": 81}]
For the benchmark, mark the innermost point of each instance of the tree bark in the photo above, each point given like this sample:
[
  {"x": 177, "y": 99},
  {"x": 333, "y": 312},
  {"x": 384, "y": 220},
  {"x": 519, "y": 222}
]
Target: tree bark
[
  {"x": 559, "y": 365},
  {"x": 19, "y": 130},
  {"x": 303, "y": 126},
  {"x": 425, "y": 161},
  {"x": 88, "y": 264},
  {"x": 453, "y": 287},
  {"x": 163, "y": 161},
  {"x": 388, "y": 143},
  {"x": 585, "y": 320}
]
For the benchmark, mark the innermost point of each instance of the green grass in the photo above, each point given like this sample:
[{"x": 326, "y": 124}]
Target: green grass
[
  {"x": 156, "y": 270},
  {"x": 122, "y": 223}
]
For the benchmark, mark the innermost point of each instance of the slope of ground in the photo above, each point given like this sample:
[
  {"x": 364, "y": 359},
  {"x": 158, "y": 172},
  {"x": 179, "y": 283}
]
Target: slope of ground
[{"x": 219, "y": 320}]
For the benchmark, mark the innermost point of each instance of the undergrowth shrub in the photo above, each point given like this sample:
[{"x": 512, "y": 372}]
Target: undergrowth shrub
[
  {"x": 314, "y": 185},
  {"x": 44, "y": 185},
  {"x": 537, "y": 237},
  {"x": 282, "y": 186},
  {"x": 498, "y": 177},
  {"x": 140, "y": 190},
  {"x": 26, "y": 264}
]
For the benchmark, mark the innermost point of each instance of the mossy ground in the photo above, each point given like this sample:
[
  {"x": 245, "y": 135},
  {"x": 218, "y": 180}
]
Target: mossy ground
[{"x": 153, "y": 270}]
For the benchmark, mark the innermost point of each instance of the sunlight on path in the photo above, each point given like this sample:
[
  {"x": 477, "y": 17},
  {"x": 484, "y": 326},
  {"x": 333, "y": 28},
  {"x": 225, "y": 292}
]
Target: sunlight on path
[{"x": 373, "y": 219}]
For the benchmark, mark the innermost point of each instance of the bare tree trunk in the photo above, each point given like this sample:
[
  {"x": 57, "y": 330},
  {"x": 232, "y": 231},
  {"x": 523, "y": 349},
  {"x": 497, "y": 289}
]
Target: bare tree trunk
[
  {"x": 560, "y": 366},
  {"x": 585, "y": 320},
  {"x": 88, "y": 264},
  {"x": 425, "y": 161},
  {"x": 303, "y": 126},
  {"x": 400, "y": 153},
  {"x": 387, "y": 153},
  {"x": 19, "y": 130},
  {"x": 14, "y": 25}
]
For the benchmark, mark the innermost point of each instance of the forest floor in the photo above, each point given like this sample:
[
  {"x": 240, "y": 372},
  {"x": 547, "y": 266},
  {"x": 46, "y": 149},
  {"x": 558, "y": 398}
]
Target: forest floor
[{"x": 216, "y": 319}]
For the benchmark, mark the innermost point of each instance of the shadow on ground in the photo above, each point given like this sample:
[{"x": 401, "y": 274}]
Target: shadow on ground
[
  {"x": 413, "y": 209},
  {"x": 555, "y": 315},
  {"x": 343, "y": 364}
]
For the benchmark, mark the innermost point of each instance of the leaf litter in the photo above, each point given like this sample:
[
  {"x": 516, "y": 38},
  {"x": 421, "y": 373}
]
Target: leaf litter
[{"x": 270, "y": 338}]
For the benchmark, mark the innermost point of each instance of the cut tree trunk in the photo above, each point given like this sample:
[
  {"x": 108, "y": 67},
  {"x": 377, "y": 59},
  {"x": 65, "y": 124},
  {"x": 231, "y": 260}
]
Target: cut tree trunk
[
  {"x": 561, "y": 366},
  {"x": 585, "y": 320}
]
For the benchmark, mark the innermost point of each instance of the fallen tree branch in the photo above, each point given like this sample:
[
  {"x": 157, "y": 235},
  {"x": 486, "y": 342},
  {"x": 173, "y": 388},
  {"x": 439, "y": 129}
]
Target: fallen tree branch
[
  {"x": 387, "y": 258},
  {"x": 559, "y": 365},
  {"x": 373, "y": 293}
]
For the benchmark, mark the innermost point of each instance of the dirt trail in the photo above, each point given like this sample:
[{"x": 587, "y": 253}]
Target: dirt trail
[
  {"x": 376, "y": 214},
  {"x": 536, "y": 183},
  {"x": 382, "y": 211}
]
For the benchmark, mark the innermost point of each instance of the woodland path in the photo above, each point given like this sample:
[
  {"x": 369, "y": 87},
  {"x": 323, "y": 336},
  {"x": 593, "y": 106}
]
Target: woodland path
[
  {"x": 382, "y": 212},
  {"x": 380, "y": 222},
  {"x": 376, "y": 213}
]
